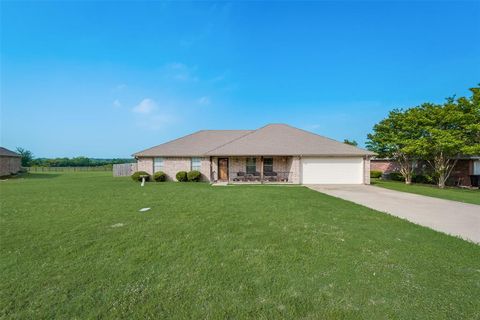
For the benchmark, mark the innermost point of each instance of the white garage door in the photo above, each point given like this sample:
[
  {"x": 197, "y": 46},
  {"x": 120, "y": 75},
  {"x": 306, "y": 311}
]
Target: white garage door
[{"x": 332, "y": 170}]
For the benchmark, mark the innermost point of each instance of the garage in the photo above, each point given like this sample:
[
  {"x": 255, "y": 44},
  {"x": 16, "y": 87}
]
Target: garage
[{"x": 332, "y": 170}]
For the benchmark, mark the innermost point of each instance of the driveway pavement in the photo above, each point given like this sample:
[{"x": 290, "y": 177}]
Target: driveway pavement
[{"x": 452, "y": 217}]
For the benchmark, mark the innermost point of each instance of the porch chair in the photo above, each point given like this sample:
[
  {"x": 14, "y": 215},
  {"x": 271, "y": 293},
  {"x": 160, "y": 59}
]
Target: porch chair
[
  {"x": 271, "y": 176},
  {"x": 240, "y": 176}
]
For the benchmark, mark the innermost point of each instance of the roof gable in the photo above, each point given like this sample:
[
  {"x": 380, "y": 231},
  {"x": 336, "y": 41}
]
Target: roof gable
[
  {"x": 282, "y": 139},
  {"x": 270, "y": 140},
  {"x": 4, "y": 152}
]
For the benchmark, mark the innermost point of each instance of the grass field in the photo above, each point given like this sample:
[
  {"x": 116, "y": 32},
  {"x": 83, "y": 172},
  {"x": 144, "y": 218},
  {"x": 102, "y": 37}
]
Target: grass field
[
  {"x": 74, "y": 245},
  {"x": 455, "y": 194}
]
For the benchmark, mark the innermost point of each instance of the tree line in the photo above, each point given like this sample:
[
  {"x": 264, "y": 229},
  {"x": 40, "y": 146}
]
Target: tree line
[
  {"x": 28, "y": 160},
  {"x": 436, "y": 133}
]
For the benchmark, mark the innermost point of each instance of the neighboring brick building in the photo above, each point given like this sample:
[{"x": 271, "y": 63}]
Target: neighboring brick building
[
  {"x": 384, "y": 165},
  {"x": 464, "y": 168},
  {"x": 10, "y": 162}
]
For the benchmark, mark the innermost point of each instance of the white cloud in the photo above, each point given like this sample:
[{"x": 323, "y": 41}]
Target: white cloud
[
  {"x": 146, "y": 106},
  {"x": 116, "y": 103},
  {"x": 149, "y": 116},
  {"x": 203, "y": 100}
]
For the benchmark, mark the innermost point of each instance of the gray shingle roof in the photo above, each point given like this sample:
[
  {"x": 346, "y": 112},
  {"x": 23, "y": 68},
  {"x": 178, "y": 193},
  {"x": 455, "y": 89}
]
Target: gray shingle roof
[
  {"x": 7, "y": 153},
  {"x": 282, "y": 139},
  {"x": 195, "y": 144},
  {"x": 270, "y": 140}
]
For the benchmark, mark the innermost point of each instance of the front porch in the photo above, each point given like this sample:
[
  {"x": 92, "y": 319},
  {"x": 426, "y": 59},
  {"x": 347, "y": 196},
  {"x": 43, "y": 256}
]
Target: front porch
[{"x": 256, "y": 169}]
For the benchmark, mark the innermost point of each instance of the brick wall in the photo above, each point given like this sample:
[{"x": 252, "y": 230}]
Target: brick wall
[
  {"x": 293, "y": 165},
  {"x": 366, "y": 170},
  {"x": 215, "y": 168},
  {"x": 237, "y": 164},
  {"x": 280, "y": 164},
  {"x": 205, "y": 169},
  {"x": 386, "y": 166},
  {"x": 9, "y": 165},
  {"x": 172, "y": 165},
  {"x": 145, "y": 164}
]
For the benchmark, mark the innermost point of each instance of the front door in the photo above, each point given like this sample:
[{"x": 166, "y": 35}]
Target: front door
[{"x": 223, "y": 169}]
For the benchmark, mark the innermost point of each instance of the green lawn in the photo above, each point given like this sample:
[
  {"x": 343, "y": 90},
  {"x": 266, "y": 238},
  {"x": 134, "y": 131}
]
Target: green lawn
[
  {"x": 456, "y": 194},
  {"x": 75, "y": 246}
]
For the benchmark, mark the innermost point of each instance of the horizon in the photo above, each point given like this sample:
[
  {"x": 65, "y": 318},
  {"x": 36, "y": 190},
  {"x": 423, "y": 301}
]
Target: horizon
[{"x": 107, "y": 79}]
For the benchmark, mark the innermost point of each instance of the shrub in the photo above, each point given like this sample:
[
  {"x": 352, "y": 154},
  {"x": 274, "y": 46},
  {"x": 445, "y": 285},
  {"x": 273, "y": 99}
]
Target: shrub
[
  {"x": 375, "y": 174},
  {"x": 181, "y": 176},
  {"x": 396, "y": 176},
  {"x": 194, "y": 176},
  {"x": 423, "y": 178},
  {"x": 160, "y": 176},
  {"x": 136, "y": 176}
]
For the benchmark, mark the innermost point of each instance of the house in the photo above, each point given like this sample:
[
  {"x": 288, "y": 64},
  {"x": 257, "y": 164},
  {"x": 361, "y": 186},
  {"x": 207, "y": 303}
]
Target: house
[
  {"x": 465, "y": 173},
  {"x": 10, "y": 162},
  {"x": 273, "y": 153}
]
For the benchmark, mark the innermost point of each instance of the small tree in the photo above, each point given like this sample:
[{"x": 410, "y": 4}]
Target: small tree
[
  {"x": 392, "y": 138},
  {"x": 27, "y": 157},
  {"x": 350, "y": 142}
]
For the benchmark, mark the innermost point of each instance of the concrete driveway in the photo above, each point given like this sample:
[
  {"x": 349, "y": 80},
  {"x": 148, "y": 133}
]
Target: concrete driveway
[{"x": 452, "y": 217}]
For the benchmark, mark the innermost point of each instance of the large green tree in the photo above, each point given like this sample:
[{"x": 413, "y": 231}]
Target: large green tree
[
  {"x": 448, "y": 131},
  {"x": 392, "y": 138},
  {"x": 437, "y": 133}
]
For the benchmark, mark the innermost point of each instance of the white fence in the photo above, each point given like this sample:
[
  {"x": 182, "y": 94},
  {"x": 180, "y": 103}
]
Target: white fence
[
  {"x": 68, "y": 169},
  {"x": 124, "y": 169}
]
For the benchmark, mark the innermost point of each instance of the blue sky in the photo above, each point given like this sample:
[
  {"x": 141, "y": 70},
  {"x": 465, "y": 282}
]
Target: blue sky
[{"x": 106, "y": 79}]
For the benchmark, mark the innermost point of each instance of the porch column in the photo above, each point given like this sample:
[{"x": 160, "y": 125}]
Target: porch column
[{"x": 261, "y": 169}]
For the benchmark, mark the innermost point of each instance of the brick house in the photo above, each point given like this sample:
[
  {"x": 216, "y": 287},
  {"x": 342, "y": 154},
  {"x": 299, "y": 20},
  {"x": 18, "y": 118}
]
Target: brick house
[
  {"x": 10, "y": 162},
  {"x": 274, "y": 153}
]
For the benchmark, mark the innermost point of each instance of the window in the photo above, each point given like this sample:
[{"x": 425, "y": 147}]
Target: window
[
  {"x": 251, "y": 165},
  {"x": 196, "y": 164},
  {"x": 157, "y": 164},
  {"x": 476, "y": 167},
  {"x": 268, "y": 165}
]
